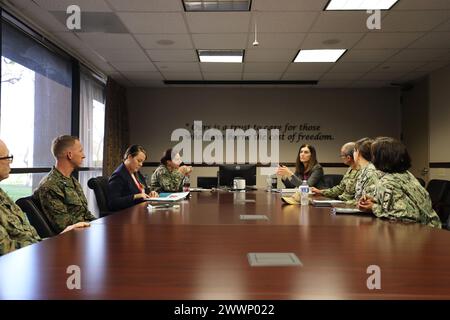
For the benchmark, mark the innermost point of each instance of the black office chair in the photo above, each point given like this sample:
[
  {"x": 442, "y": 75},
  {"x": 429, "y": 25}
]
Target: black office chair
[
  {"x": 421, "y": 181},
  {"x": 331, "y": 180},
  {"x": 443, "y": 210},
  {"x": 100, "y": 186},
  {"x": 438, "y": 190},
  {"x": 37, "y": 218},
  {"x": 207, "y": 182}
]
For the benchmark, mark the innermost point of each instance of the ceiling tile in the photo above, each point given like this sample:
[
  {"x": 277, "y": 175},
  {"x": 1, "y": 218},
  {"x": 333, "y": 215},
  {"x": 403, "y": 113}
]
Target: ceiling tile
[
  {"x": 173, "y": 55},
  {"x": 333, "y": 83},
  {"x": 331, "y": 40},
  {"x": 99, "y": 40},
  {"x": 310, "y": 67},
  {"x": 164, "y": 41},
  {"x": 302, "y": 76},
  {"x": 408, "y": 55},
  {"x": 433, "y": 40},
  {"x": 133, "y": 66},
  {"x": 270, "y": 55},
  {"x": 411, "y": 76},
  {"x": 409, "y": 21},
  {"x": 146, "y": 5},
  {"x": 382, "y": 76},
  {"x": 123, "y": 55},
  {"x": 341, "y": 21},
  {"x": 444, "y": 26},
  {"x": 85, "y": 5},
  {"x": 370, "y": 84},
  {"x": 354, "y": 67},
  {"x": 148, "y": 84},
  {"x": 422, "y": 5},
  {"x": 289, "y": 5},
  {"x": 148, "y": 22},
  {"x": 398, "y": 66},
  {"x": 218, "y": 22},
  {"x": 277, "y": 40},
  {"x": 342, "y": 76},
  {"x": 285, "y": 21},
  {"x": 380, "y": 40},
  {"x": 368, "y": 55},
  {"x": 183, "y": 75},
  {"x": 262, "y": 76},
  {"x": 178, "y": 66},
  {"x": 142, "y": 75},
  {"x": 220, "y": 41},
  {"x": 221, "y": 67},
  {"x": 69, "y": 38},
  {"x": 265, "y": 67},
  {"x": 222, "y": 76},
  {"x": 432, "y": 66}
]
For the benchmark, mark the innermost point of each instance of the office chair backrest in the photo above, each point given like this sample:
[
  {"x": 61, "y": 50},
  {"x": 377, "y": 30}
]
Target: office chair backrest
[
  {"x": 100, "y": 186},
  {"x": 438, "y": 190},
  {"x": 207, "y": 182},
  {"x": 37, "y": 218},
  {"x": 331, "y": 180}
]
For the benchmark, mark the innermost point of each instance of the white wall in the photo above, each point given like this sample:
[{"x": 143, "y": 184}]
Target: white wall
[{"x": 344, "y": 114}]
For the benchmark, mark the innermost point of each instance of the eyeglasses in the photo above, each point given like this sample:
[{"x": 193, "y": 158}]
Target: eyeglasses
[{"x": 9, "y": 157}]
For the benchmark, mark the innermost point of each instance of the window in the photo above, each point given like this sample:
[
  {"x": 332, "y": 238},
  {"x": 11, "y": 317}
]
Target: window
[
  {"x": 92, "y": 128},
  {"x": 36, "y": 105}
]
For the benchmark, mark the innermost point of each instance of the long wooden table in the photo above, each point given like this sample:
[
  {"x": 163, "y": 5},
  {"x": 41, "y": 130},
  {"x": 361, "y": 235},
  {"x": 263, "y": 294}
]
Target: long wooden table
[{"x": 199, "y": 251}]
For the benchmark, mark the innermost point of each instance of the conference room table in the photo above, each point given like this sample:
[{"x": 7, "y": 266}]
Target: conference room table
[{"x": 199, "y": 250}]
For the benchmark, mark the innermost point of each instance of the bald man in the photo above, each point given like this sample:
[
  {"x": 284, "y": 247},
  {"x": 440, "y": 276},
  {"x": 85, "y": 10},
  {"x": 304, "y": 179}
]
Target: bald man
[
  {"x": 345, "y": 190},
  {"x": 15, "y": 230}
]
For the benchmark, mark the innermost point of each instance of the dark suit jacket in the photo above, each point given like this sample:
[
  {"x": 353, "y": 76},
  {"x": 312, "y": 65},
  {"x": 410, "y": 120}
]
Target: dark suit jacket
[{"x": 121, "y": 189}]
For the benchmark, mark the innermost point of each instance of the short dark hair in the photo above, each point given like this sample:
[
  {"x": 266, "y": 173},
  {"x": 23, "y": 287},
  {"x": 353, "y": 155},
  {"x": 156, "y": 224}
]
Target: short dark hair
[
  {"x": 134, "y": 150},
  {"x": 363, "y": 146},
  {"x": 167, "y": 156},
  {"x": 390, "y": 155},
  {"x": 61, "y": 143}
]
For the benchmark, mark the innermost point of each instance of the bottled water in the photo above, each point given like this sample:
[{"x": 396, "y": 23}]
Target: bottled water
[{"x": 304, "y": 193}]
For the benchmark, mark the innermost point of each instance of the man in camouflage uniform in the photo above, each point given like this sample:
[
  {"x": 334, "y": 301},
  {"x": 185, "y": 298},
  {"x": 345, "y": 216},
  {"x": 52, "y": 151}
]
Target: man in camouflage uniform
[
  {"x": 60, "y": 195},
  {"x": 345, "y": 190},
  {"x": 15, "y": 229}
]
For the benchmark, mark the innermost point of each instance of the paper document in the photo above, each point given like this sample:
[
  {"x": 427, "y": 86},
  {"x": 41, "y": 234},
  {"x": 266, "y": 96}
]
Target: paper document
[{"x": 169, "y": 197}]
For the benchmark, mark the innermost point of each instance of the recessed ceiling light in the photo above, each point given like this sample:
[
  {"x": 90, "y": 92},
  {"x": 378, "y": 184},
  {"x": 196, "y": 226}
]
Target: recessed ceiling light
[
  {"x": 231, "y": 56},
  {"x": 319, "y": 55},
  {"x": 360, "y": 4},
  {"x": 217, "y": 5}
]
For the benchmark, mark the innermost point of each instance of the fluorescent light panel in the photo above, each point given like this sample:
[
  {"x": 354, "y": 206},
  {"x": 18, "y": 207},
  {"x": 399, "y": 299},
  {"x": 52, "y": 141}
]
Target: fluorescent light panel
[
  {"x": 227, "y": 56},
  {"x": 360, "y": 4},
  {"x": 319, "y": 55},
  {"x": 215, "y": 5}
]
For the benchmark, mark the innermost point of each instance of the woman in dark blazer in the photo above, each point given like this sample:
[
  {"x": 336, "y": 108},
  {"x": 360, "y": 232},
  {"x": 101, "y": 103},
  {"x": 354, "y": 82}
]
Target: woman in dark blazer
[
  {"x": 127, "y": 186},
  {"x": 306, "y": 168}
]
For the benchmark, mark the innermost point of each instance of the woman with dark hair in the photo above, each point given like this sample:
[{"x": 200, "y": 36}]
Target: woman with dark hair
[
  {"x": 367, "y": 178},
  {"x": 127, "y": 186},
  {"x": 306, "y": 168},
  {"x": 398, "y": 195},
  {"x": 169, "y": 176}
]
